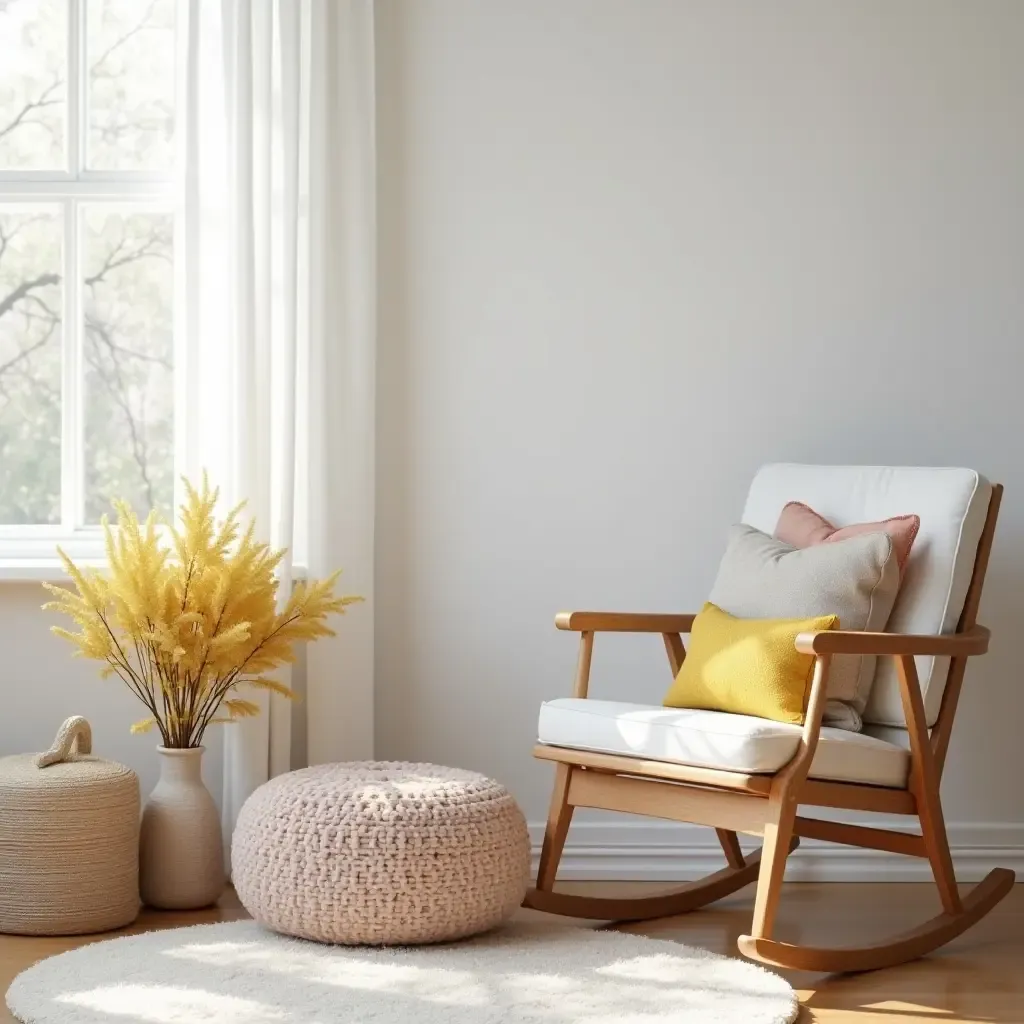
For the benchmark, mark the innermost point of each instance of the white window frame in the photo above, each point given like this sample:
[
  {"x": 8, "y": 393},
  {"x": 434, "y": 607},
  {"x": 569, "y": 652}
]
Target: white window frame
[{"x": 29, "y": 552}]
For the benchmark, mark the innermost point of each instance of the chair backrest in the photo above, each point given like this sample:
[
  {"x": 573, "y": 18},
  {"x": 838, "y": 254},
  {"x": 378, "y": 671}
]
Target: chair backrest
[{"x": 953, "y": 505}]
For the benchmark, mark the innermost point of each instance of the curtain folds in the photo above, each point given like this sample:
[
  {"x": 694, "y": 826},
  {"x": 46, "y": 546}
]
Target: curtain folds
[{"x": 276, "y": 283}]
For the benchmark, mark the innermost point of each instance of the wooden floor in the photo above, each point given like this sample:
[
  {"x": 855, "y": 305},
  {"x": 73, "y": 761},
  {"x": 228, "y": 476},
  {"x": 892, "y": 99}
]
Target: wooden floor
[{"x": 978, "y": 978}]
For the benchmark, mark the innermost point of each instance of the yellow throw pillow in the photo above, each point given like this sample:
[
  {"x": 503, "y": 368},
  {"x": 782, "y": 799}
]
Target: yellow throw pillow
[{"x": 747, "y": 666}]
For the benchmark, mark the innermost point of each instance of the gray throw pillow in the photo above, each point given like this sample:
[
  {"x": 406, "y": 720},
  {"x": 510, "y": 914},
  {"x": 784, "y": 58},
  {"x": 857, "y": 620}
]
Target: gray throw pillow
[{"x": 857, "y": 579}]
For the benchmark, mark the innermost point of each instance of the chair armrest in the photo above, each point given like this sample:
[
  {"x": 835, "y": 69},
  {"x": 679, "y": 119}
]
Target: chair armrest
[
  {"x": 623, "y": 622},
  {"x": 795, "y": 772},
  {"x": 841, "y": 641}
]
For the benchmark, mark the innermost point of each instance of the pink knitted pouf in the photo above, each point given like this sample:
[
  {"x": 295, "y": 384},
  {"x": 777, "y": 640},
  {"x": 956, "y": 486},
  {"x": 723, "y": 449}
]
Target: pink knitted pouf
[{"x": 380, "y": 853}]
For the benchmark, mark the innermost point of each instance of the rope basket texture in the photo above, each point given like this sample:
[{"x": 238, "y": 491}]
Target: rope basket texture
[{"x": 69, "y": 839}]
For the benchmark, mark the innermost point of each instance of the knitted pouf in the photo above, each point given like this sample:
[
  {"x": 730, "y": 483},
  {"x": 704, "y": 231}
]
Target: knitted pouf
[{"x": 381, "y": 853}]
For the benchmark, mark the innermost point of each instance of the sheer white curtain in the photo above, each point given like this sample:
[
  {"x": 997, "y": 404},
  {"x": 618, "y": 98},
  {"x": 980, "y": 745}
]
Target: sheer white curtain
[{"x": 276, "y": 280}]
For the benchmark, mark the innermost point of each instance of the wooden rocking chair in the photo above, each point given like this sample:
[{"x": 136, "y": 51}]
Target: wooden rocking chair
[{"x": 613, "y": 756}]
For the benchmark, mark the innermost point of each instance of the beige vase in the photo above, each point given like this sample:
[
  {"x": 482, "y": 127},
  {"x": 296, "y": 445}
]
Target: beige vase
[{"x": 181, "y": 854}]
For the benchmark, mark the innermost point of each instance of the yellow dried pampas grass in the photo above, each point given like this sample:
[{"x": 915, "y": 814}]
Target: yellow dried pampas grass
[{"x": 186, "y": 626}]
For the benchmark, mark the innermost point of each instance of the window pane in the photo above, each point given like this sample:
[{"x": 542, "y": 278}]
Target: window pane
[
  {"x": 33, "y": 48},
  {"x": 130, "y": 56},
  {"x": 30, "y": 333},
  {"x": 128, "y": 359}
]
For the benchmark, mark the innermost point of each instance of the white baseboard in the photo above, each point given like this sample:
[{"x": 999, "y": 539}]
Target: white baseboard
[{"x": 662, "y": 851}]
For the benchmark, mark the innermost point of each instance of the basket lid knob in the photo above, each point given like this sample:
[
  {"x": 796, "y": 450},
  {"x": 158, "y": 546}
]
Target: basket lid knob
[{"x": 74, "y": 733}]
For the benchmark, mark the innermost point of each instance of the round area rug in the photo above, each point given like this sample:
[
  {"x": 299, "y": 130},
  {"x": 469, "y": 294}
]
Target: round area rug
[{"x": 239, "y": 973}]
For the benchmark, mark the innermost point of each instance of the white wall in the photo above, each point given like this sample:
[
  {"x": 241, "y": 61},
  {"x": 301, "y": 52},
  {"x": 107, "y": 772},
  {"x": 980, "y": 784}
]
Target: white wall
[
  {"x": 631, "y": 250},
  {"x": 41, "y": 685}
]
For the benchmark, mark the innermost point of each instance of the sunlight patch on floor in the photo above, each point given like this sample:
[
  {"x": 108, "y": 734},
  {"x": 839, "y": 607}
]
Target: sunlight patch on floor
[
  {"x": 455, "y": 987},
  {"x": 162, "y": 1004}
]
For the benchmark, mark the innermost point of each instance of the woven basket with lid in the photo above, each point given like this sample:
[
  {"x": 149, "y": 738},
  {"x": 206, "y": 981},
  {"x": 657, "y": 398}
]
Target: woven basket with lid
[{"x": 69, "y": 839}]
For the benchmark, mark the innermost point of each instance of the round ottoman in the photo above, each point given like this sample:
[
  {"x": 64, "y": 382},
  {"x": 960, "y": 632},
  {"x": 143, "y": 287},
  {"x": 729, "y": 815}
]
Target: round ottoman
[{"x": 380, "y": 853}]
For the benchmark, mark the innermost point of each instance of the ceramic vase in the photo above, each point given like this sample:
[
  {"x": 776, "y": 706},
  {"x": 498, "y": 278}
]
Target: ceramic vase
[{"x": 181, "y": 853}]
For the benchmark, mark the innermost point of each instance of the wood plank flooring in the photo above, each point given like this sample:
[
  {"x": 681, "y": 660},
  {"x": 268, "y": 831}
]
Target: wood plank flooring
[{"x": 979, "y": 978}]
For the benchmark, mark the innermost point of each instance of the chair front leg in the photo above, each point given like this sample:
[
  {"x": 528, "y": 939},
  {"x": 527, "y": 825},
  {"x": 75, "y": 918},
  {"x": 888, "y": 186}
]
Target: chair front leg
[
  {"x": 559, "y": 819},
  {"x": 783, "y": 804},
  {"x": 778, "y": 835}
]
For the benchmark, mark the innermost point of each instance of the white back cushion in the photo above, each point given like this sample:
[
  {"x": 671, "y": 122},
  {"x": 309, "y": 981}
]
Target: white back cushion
[{"x": 952, "y": 504}]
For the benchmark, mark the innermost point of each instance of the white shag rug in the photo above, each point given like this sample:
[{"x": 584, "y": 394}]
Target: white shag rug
[{"x": 239, "y": 973}]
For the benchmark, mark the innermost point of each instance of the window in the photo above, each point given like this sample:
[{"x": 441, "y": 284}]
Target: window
[{"x": 87, "y": 231}]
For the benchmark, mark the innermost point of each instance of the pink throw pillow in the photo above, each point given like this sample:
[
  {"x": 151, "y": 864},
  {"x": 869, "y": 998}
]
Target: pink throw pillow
[{"x": 802, "y": 527}]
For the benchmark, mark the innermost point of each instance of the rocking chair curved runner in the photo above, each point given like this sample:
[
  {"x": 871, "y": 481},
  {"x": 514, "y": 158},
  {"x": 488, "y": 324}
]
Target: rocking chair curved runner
[{"x": 661, "y": 762}]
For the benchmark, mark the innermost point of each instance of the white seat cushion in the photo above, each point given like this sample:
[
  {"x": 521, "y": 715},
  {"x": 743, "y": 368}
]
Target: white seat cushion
[
  {"x": 952, "y": 504},
  {"x": 713, "y": 739}
]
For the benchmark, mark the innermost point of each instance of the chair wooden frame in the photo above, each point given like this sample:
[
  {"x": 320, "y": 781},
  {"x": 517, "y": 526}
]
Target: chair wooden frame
[{"x": 767, "y": 805}]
